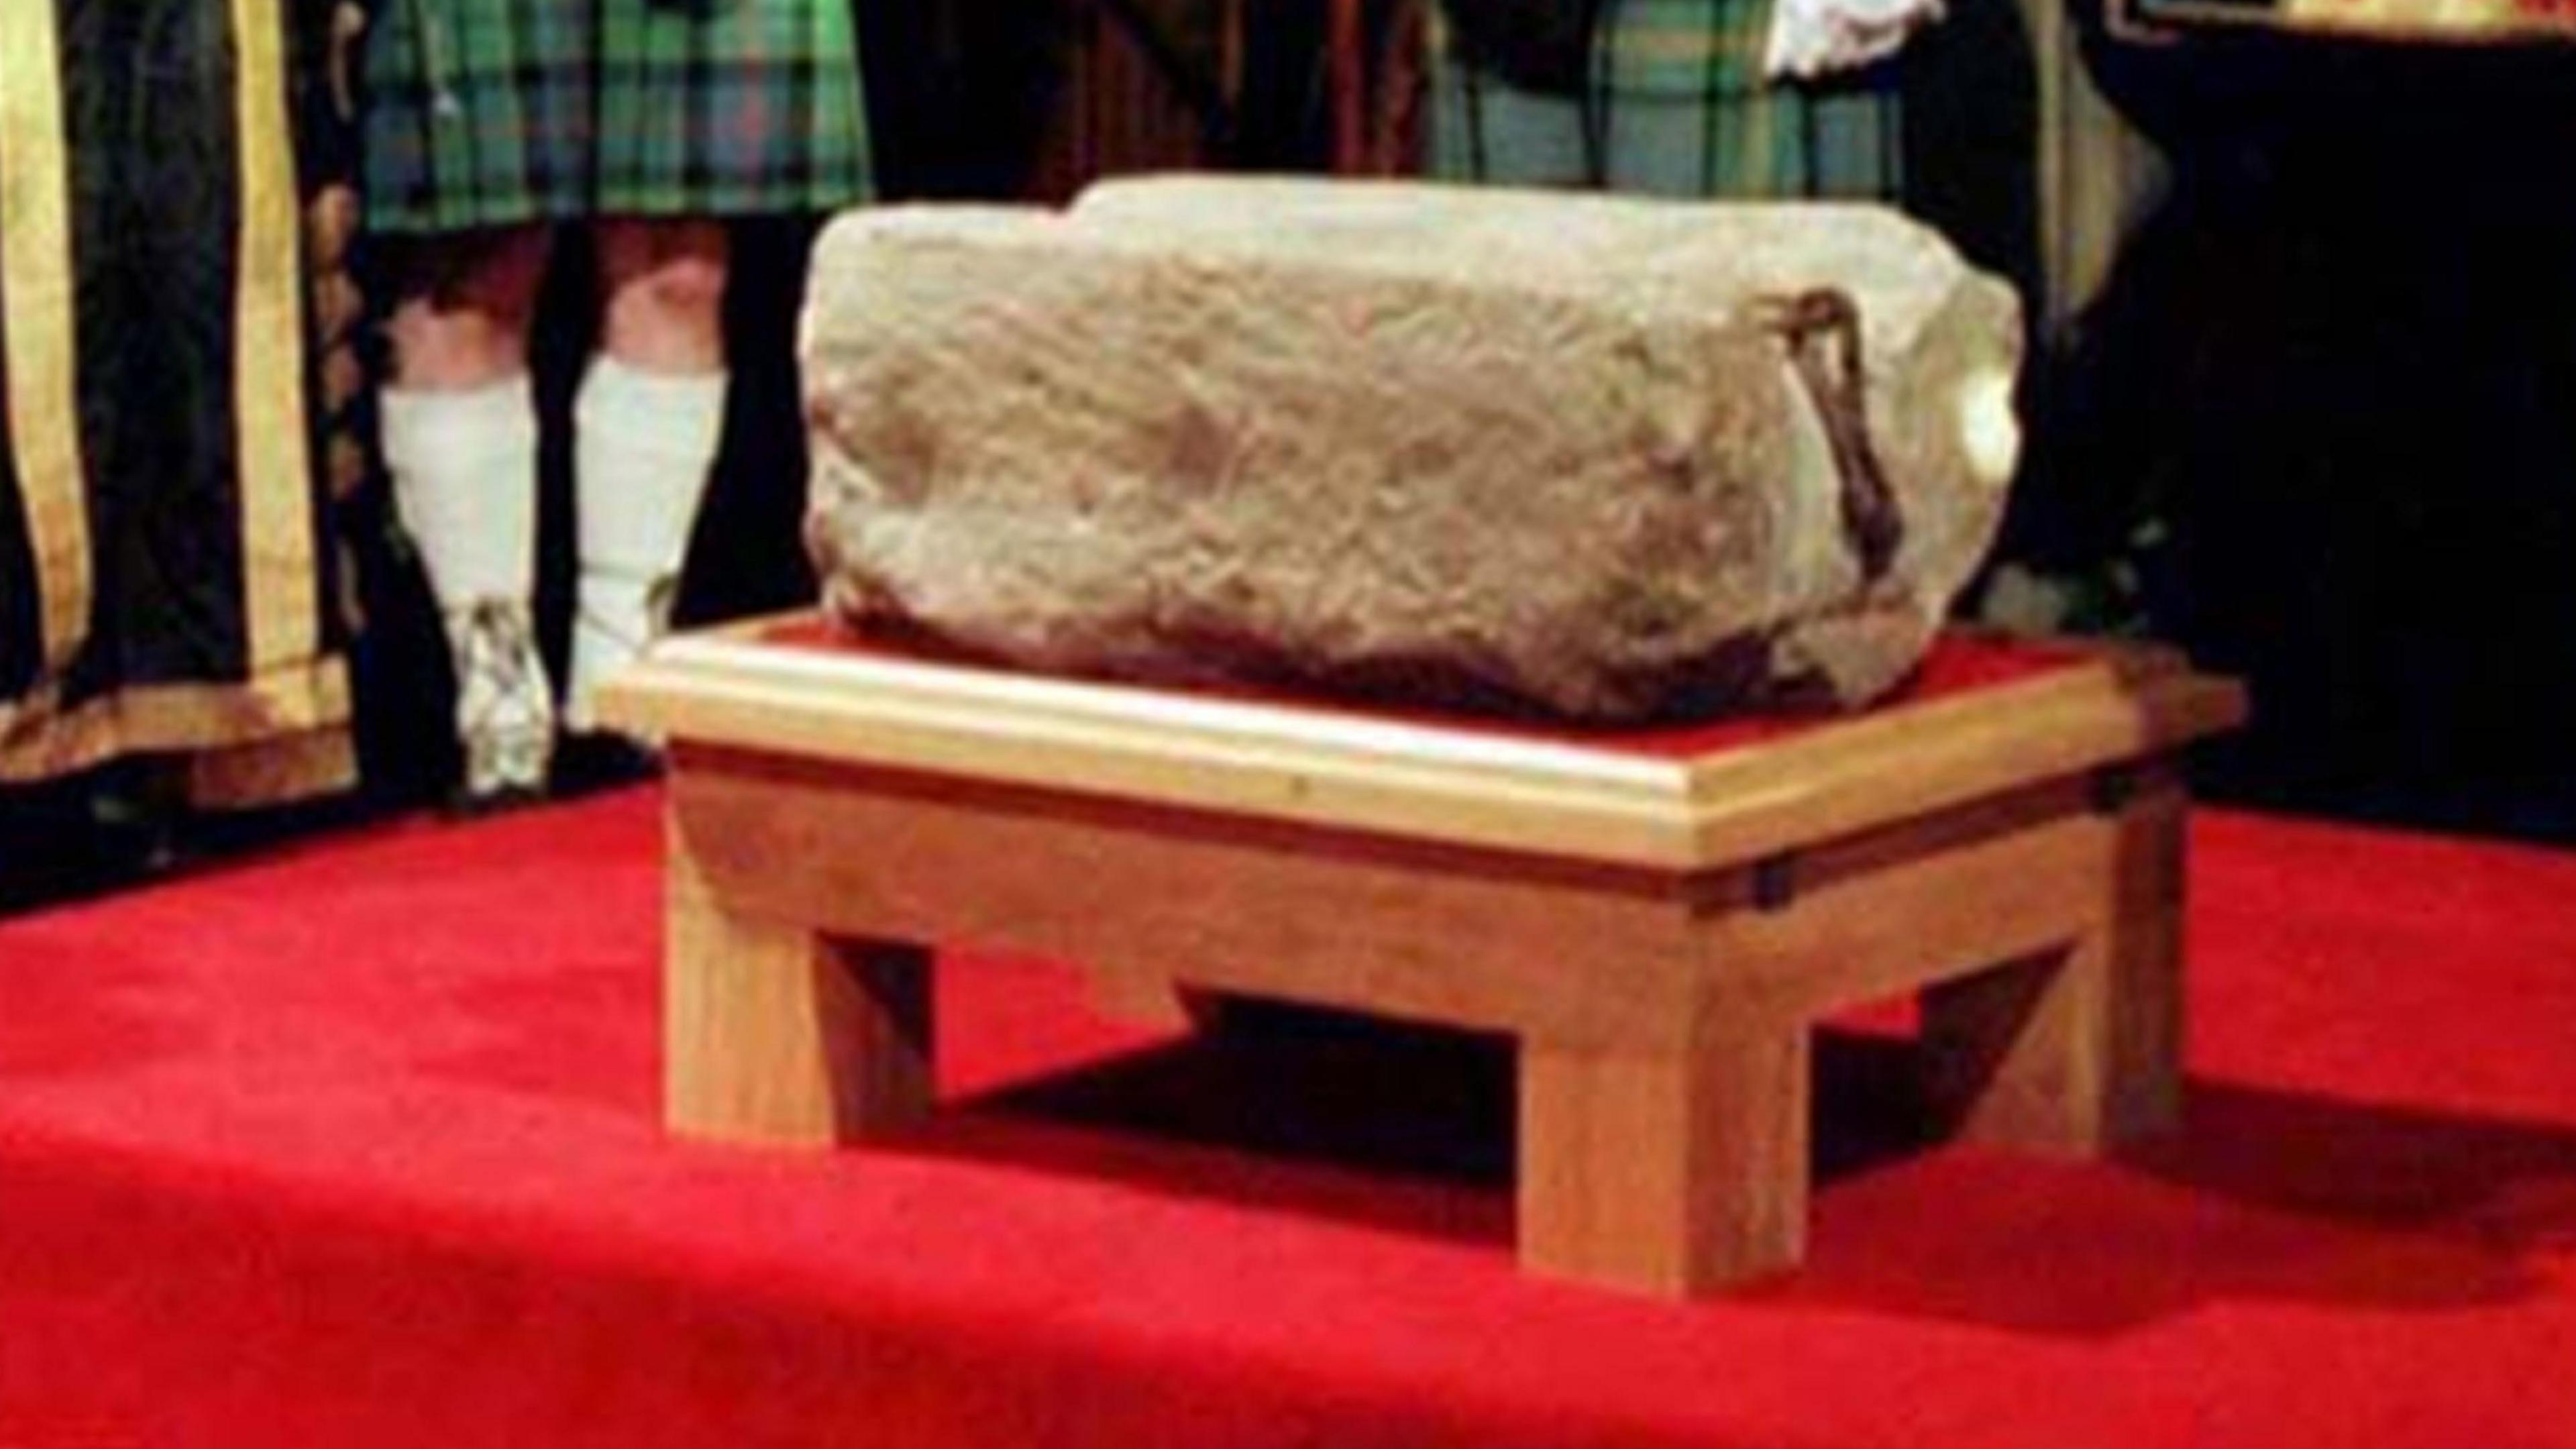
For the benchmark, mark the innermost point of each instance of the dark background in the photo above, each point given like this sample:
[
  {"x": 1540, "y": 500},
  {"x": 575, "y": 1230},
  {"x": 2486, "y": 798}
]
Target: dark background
[
  {"x": 2338, "y": 365},
  {"x": 2329, "y": 382},
  {"x": 2333, "y": 371},
  {"x": 2334, "y": 368}
]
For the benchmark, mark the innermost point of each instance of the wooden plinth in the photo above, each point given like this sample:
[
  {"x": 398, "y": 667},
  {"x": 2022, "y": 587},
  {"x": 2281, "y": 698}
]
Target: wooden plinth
[{"x": 1660, "y": 928}]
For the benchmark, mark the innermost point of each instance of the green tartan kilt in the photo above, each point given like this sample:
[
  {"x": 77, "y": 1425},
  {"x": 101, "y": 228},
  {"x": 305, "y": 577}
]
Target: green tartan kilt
[
  {"x": 490, "y": 112},
  {"x": 1677, "y": 106}
]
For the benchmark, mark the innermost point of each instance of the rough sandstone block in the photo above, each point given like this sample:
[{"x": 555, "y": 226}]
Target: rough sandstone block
[{"x": 1608, "y": 458}]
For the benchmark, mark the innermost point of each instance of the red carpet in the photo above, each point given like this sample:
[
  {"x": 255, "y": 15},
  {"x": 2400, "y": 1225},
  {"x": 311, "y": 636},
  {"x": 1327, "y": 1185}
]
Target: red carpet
[{"x": 357, "y": 1147}]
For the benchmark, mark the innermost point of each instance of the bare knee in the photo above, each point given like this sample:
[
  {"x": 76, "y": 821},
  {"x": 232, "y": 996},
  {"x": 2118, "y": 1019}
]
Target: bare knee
[
  {"x": 687, "y": 284},
  {"x": 463, "y": 306},
  {"x": 665, "y": 286}
]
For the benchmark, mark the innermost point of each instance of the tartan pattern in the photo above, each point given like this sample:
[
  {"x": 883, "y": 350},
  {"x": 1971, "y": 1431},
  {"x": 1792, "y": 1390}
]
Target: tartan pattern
[
  {"x": 490, "y": 112},
  {"x": 1677, "y": 106}
]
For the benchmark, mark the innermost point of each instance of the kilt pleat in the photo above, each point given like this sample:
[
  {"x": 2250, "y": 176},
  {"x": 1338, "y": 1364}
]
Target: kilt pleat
[
  {"x": 492, "y": 112},
  {"x": 1677, "y": 105}
]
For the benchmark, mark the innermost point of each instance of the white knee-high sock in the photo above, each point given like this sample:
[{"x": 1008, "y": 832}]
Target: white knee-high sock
[
  {"x": 643, "y": 445},
  {"x": 464, "y": 468}
]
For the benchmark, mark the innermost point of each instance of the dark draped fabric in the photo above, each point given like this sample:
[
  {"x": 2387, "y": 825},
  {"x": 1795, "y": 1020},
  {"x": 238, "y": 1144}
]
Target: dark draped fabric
[{"x": 164, "y": 557}]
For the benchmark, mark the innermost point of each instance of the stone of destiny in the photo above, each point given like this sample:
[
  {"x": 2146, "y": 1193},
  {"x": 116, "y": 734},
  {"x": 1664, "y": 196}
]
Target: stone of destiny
[{"x": 1602, "y": 458}]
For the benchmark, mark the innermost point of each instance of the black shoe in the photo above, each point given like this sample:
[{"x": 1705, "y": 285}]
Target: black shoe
[{"x": 587, "y": 764}]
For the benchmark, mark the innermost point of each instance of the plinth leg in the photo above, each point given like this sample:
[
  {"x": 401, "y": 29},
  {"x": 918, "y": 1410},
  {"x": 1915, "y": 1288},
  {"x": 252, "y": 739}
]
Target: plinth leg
[
  {"x": 1669, "y": 1173},
  {"x": 774, "y": 1034},
  {"x": 2144, "y": 956},
  {"x": 2083, "y": 1048},
  {"x": 2012, "y": 1055}
]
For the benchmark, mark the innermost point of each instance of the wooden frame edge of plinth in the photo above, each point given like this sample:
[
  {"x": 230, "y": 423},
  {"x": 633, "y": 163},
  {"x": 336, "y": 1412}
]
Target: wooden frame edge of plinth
[
  {"x": 1396, "y": 777},
  {"x": 1157, "y": 746},
  {"x": 1909, "y": 761}
]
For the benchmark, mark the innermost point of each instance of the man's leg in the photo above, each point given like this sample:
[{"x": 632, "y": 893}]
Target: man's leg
[
  {"x": 647, "y": 423},
  {"x": 460, "y": 439}
]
